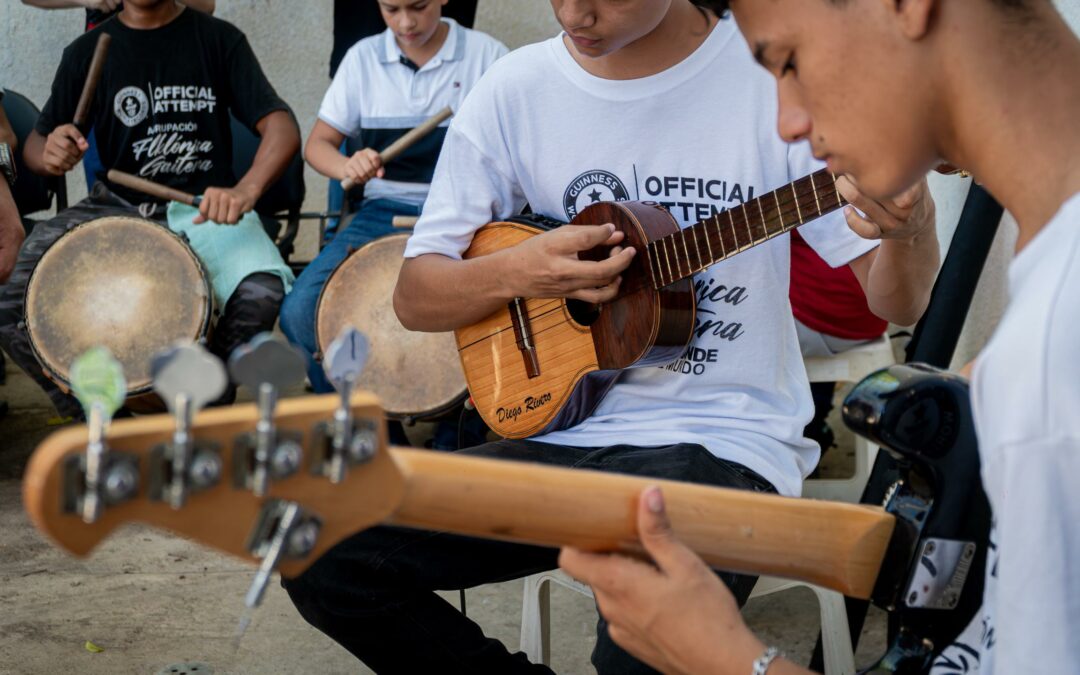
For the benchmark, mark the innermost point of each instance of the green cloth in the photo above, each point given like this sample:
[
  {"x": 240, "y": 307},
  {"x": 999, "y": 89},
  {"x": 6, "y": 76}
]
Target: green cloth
[{"x": 229, "y": 252}]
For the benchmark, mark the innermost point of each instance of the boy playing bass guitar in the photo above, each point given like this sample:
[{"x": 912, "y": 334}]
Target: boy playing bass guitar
[{"x": 637, "y": 99}]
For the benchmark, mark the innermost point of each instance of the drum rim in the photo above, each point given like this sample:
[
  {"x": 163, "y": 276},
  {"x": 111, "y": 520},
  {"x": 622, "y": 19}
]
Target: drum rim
[
  {"x": 330, "y": 277},
  {"x": 204, "y": 326},
  {"x": 418, "y": 416}
]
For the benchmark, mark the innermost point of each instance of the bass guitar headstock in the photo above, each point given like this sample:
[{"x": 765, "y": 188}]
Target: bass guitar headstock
[{"x": 226, "y": 477}]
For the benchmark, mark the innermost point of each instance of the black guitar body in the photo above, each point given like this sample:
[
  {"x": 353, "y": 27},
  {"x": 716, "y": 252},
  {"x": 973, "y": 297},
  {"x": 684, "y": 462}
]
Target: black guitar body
[{"x": 935, "y": 569}]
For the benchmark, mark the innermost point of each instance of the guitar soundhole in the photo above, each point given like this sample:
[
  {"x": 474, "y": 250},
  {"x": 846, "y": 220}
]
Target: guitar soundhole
[{"x": 585, "y": 313}]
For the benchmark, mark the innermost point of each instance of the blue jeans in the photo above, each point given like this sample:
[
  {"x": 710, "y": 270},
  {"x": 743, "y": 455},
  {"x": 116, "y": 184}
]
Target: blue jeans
[
  {"x": 92, "y": 165},
  {"x": 335, "y": 199},
  {"x": 372, "y": 220}
]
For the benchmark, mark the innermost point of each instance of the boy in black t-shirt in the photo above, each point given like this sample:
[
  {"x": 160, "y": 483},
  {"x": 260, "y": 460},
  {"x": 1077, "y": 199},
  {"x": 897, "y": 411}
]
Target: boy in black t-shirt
[
  {"x": 97, "y": 12},
  {"x": 161, "y": 112}
]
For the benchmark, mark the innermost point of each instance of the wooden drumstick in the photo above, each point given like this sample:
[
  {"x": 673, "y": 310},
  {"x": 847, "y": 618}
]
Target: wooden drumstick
[
  {"x": 400, "y": 145},
  {"x": 153, "y": 189},
  {"x": 97, "y": 64},
  {"x": 404, "y": 221}
]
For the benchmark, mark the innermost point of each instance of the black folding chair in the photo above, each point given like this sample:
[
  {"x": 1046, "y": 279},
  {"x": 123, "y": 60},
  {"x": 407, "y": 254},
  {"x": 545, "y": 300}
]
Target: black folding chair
[
  {"x": 283, "y": 201},
  {"x": 33, "y": 193}
]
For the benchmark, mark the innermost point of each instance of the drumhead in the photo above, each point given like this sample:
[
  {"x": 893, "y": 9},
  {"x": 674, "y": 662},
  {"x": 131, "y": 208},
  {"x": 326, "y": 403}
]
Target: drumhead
[
  {"x": 415, "y": 374},
  {"x": 127, "y": 284}
]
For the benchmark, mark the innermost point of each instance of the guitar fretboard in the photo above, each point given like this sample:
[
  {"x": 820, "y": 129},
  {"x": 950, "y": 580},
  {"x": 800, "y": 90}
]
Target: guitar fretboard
[{"x": 692, "y": 249}]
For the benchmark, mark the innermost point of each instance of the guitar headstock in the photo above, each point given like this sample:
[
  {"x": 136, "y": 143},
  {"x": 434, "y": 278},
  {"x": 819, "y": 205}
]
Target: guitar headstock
[{"x": 225, "y": 514}]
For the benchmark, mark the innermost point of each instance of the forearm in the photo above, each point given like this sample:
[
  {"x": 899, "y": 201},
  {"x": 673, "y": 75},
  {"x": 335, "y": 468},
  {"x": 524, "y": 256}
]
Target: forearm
[
  {"x": 7, "y": 134},
  {"x": 435, "y": 293},
  {"x": 325, "y": 157},
  {"x": 34, "y": 154},
  {"x": 54, "y": 4},
  {"x": 10, "y": 222},
  {"x": 902, "y": 276},
  {"x": 280, "y": 141},
  {"x": 11, "y": 232}
]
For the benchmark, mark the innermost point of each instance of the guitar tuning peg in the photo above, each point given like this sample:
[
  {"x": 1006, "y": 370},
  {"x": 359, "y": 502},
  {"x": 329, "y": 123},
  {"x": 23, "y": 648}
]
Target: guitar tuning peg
[
  {"x": 187, "y": 370},
  {"x": 266, "y": 365},
  {"x": 267, "y": 361},
  {"x": 187, "y": 377},
  {"x": 283, "y": 530},
  {"x": 97, "y": 382},
  {"x": 346, "y": 357},
  {"x": 349, "y": 443}
]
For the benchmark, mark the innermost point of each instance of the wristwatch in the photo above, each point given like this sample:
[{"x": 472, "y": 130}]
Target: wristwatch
[{"x": 7, "y": 164}]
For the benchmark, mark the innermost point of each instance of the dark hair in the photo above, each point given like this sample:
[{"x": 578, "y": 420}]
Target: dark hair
[{"x": 720, "y": 7}]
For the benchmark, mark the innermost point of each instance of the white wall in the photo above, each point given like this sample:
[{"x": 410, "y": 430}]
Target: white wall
[{"x": 292, "y": 39}]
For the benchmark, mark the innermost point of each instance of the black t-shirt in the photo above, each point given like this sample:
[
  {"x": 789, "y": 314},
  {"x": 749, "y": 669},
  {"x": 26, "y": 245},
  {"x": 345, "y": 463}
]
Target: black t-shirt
[
  {"x": 355, "y": 20},
  {"x": 161, "y": 110}
]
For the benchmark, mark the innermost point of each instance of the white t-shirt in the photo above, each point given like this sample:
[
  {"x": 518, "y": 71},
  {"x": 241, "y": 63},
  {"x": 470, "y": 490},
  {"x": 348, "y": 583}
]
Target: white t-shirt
[
  {"x": 699, "y": 136},
  {"x": 376, "y": 98},
  {"x": 1026, "y": 399}
]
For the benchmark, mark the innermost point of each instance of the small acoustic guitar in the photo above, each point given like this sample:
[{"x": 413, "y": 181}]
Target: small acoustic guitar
[{"x": 543, "y": 364}]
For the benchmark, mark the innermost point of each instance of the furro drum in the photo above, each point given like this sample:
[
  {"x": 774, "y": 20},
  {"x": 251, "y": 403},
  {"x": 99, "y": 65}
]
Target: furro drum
[
  {"x": 417, "y": 375},
  {"x": 124, "y": 283}
]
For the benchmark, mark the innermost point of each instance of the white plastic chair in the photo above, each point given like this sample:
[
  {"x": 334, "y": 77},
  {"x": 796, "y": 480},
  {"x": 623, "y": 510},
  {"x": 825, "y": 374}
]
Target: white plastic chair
[
  {"x": 536, "y": 617},
  {"x": 849, "y": 366}
]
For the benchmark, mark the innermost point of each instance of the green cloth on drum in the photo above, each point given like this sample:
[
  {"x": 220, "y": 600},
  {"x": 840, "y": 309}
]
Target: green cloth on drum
[{"x": 230, "y": 252}]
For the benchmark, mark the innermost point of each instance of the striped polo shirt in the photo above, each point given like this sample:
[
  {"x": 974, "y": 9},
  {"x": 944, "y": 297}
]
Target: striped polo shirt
[{"x": 378, "y": 95}]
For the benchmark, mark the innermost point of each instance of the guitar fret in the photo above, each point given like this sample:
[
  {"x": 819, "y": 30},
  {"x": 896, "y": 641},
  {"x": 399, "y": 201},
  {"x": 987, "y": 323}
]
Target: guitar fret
[
  {"x": 697, "y": 249},
  {"x": 667, "y": 261},
  {"x": 813, "y": 186},
  {"x": 675, "y": 255},
  {"x": 749, "y": 232},
  {"x": 650, "y": 250},
  {"x": 764, "y": 225},
  {"x": 682, "y": 233},
  {"x": 839, "y": 199},
  {"x": 720, "y": 235},
  {"x": 779, "y": 213},
  {"x": 798, "y": 211},
  {"x": 656, "y": 261},
  {"x": 734, "y": 232},
  {"x": 708, "y": 246}
]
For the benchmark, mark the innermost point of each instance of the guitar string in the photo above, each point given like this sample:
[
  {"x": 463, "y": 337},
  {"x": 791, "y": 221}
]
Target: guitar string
[
  {"x": 555, "y": 304},
  {"x": 796, "y": 201}
]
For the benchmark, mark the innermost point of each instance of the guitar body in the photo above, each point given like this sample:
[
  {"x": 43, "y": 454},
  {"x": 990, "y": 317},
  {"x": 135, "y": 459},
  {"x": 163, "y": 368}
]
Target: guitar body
[{"x": 543, "y": 364}]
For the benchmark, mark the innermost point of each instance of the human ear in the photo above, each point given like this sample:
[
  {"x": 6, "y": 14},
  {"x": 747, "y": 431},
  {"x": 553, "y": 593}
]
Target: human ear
[{"x": 914, "y": 17}]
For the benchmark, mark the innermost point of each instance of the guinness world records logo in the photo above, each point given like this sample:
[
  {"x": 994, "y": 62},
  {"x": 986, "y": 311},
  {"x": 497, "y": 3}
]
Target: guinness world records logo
[
  {"x": 593, "y": 187},
  {"x": 131, "y": 106}
]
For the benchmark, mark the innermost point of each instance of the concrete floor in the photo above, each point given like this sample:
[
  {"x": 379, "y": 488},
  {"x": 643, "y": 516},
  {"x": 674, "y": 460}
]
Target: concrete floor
[{"x": 152, "y": 601}]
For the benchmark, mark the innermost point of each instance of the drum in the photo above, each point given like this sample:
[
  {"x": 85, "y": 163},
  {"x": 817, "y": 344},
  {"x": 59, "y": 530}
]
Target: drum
[
  {"x": 418, "y": 376},
  {"x": 127, "y": 284}
]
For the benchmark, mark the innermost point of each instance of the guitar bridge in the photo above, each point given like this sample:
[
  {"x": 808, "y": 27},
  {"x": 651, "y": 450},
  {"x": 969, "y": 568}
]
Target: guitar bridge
[{"x": 519, "y": 318}]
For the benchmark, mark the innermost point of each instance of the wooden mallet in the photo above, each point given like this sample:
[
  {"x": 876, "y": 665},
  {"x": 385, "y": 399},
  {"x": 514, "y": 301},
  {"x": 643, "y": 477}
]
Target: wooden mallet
[
  {"x": 400, "y": 145},
  {"x": 93, "y": 77},
  {"x": 153, "y": 189}
]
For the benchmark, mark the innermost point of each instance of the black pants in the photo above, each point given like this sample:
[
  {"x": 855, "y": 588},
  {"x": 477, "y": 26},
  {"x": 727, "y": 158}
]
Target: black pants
[
  {"x": 252, "y": 308},
  {"x": 373, "y": 593}
]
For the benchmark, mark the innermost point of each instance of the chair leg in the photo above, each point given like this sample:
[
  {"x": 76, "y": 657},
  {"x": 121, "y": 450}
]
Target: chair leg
[
  {"x": 835, "y": 633},
  {"x": 536, "y": 618}
]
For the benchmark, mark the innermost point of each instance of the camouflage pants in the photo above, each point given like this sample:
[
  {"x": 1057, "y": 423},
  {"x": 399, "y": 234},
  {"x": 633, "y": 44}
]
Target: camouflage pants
[{"x": 252, "y": 308}]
